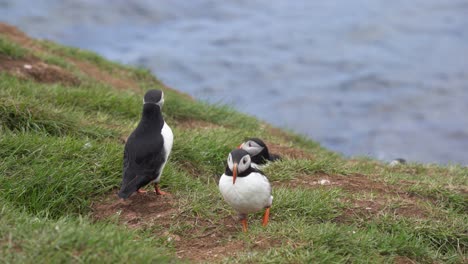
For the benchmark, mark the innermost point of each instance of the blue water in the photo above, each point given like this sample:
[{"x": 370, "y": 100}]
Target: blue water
[{"x": 367, "y": 77}]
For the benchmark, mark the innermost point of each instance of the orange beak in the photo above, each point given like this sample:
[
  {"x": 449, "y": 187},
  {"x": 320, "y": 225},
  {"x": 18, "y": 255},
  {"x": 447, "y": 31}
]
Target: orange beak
[
  {"x": 234, "y": 173},
  {"x": 240, "y": 146}
]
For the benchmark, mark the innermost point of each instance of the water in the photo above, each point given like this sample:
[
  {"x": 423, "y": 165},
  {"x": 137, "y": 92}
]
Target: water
[{"x": 367, "y": 77}]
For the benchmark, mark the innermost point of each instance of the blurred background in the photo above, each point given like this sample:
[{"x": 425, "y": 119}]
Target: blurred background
[{"x": 375, "y": 78}]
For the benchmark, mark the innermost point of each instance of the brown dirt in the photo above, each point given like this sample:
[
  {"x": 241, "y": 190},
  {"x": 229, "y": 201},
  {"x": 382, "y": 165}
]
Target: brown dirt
[
  {"x": 47, "y": 73},
  {"x": 195, "y": 124},
  {"x": 118, "y": 80},
  {"x": 288, "y": 152},
  {"x": 404, "y": 260},
  {"x": 32, "y": 68},
  {"x": 200, "y": 240},
  {"x": 277, "y": 132},
  {"x": 16, "y": 35},
  {"x": 373, "y": 197}
]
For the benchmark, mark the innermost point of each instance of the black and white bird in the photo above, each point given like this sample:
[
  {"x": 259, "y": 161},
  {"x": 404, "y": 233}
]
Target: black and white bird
[
  {"x": 258, "y": 151},
  {"x": 147, "y": 148},
  {"x": 245, "y": 188}
]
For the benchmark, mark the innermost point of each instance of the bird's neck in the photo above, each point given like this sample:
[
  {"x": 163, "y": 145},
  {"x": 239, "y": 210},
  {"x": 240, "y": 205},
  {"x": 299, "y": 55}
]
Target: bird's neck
[{"x": 152, "y": 116}]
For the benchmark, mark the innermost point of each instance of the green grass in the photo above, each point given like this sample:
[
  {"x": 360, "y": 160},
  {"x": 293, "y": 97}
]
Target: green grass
[
  {"x": 27, "y": 238},
  {"x": 79, "y": 54},
  {"x": 11, "y": 49},
  {"x": 56, "y": 176},
  {"x": 61, "y": 151}
]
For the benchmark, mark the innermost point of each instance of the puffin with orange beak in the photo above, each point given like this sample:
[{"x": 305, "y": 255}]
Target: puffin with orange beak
[{"x": 245, "y": 188}]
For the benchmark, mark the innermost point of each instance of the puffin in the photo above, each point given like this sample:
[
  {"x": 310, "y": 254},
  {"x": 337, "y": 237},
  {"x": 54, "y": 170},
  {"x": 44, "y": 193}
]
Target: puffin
[
  {"x": 245, "y": 188},
  {"x": 258, "y": 152},
  {"x": 147, "y": 148}
]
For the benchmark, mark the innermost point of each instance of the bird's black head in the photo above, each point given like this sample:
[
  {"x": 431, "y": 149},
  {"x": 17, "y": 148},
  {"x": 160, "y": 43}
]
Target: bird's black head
[
  {"x": 257, "y": 150},
  {"x": 154, "y": 97},
  {"x": 238, "y": 162}
]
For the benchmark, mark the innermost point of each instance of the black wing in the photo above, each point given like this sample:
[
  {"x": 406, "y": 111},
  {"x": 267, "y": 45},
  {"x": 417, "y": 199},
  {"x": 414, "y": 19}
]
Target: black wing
[{"x": 143, "y": 159}]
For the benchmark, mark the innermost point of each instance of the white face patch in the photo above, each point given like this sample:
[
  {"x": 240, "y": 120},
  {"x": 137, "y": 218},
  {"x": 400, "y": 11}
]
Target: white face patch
[
  {"x": 161, "y": 102},
  {"x": 230, "y": 163},
  {"x": 244, "y": 164},
  {"x": 252, "y": 147}
]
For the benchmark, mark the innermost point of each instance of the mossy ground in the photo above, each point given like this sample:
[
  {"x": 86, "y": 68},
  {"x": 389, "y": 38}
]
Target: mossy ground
[{"x": 64, "y": 118}]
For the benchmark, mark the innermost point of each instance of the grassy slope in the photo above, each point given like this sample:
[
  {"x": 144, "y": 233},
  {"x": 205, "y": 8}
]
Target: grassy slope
[{"x": 61, "y": 148}]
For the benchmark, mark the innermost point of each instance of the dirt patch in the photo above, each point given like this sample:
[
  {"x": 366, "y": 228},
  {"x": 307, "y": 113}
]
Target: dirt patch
[
  {"x": 43, "y": 72},
  {"x": 194, "y": 238},
  {"x": 16, "y": 35},
  {"x": 277, "y": 132},
  {"x": 289, "y": 152},
  {"x": 404, "y": 260},
  {"x": 32, "y": 68},
  {"x": 195, "y": 124},
  {"x": 372, "y": 197},
  {"x": 116, "y": 80}
]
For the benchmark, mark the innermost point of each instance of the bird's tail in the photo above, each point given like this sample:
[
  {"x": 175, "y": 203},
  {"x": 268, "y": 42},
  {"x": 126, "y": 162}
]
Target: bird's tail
[{"x": 132, "y": 186}]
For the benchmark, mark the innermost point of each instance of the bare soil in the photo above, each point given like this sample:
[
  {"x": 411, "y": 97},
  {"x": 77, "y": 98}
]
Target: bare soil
[
  {"x": 32, "y": 68},
  {"x": 288, "y": 152},
  {"x": 118, "y": 80},
  {"x": 370, "y": 197},
  {"x": 195, "y": 124},
  {"x": 17, "y": 36},
  {"x": 200, "y": 240}
]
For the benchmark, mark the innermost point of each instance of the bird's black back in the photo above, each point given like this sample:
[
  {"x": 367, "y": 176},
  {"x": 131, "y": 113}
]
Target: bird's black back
[{"x": 144, "y": 152}]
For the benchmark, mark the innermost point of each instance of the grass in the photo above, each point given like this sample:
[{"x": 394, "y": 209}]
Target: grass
[
  {"x": 27, "y": 238},
  {"x": 61, "y": 153},
  {"x": 11, "y": 49}
]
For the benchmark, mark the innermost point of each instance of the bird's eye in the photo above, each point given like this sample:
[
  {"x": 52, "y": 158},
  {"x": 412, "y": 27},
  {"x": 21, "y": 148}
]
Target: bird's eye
[
  {"x": 244, "y": 161},
  {"x": 250, "y": 144}
]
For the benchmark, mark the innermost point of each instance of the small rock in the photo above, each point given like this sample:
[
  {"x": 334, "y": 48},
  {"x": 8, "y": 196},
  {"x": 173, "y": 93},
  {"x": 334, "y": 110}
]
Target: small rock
[
  {"x": 396, "y": 162},
  {"x": 87, "y": 145},
  {"x": 27, "y": 66},
  {"x": 368, "y": 208},
  {"x": 324, "y": 182}
]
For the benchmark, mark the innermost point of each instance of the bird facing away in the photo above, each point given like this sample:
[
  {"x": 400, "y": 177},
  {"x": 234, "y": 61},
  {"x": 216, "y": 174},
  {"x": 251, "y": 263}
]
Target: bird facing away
[
  {"x": 147, "y": 148},
  {"x": 245, "y": 188},
  {"x": 258, "y": 151}
]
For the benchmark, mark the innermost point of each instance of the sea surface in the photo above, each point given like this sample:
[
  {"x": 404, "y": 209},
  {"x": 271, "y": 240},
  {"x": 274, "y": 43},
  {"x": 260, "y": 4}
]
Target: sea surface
[{"x": 375, "y": 78}]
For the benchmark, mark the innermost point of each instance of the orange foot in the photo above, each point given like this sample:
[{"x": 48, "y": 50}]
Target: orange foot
[
  {"x": 141, "y": 191},
  {"x": 244, "y": 224},
  {"x": 158, "y": 191},
  {"x": 266, "y": 216}
]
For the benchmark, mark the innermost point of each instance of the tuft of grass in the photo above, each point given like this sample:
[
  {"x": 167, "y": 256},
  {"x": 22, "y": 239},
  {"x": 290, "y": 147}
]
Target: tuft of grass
[
  {"x": 316, "y": 205},
  {"x": 11, "y": 49},
  {"x": 77, "y": 53},
  {"x": 26, "y": 238},
  {"x": 56, "y": 60},
  {"x": 56, "y": 176}
]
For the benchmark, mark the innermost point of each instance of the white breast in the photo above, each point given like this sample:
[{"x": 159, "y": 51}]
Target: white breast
[
  {"x": 250, "y": 194},
  {"x": 168, "y": 141}
]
